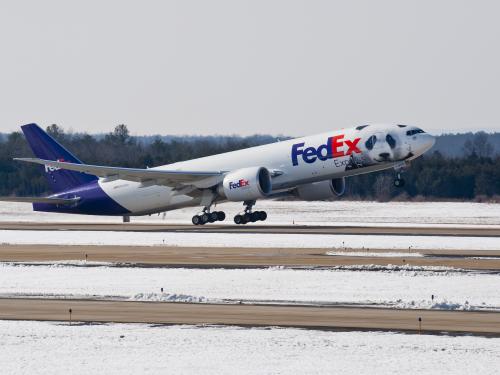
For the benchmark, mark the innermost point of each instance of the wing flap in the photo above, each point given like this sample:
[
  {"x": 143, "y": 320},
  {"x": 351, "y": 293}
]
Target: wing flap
[{"x": 162, "y": 177}]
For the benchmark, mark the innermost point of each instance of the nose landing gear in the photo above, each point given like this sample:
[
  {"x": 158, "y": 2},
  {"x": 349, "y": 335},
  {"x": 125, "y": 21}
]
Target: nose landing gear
[
  {"x": 399, "y": 182},
  {"x": 248, "y": 216}
]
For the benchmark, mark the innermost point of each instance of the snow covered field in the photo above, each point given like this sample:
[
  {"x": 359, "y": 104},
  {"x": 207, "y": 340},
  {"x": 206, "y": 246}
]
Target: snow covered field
[
  {"x": 56, "y": 348},
  {"x": 202, "y": 239},
  {"x": 317, "y": 213},
  {"x": 403, "y": 288}
]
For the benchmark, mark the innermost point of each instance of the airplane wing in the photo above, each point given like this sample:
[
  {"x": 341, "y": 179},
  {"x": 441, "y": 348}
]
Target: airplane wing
[
  {"x": 48, "y": 200},
  {"x": 173, "y": 178}
]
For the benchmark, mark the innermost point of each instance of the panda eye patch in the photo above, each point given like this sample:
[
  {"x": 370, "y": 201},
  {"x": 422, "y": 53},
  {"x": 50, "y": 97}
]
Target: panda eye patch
[
  {"x": 390, "y": 140},
  {"x": 370, "y": 142}
]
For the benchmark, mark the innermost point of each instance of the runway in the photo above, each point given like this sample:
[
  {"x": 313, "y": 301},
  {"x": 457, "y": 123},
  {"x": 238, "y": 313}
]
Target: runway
[
  {"x": 253, "y": 315},
  {"x": 259, "y": 228},
  {"x": 325, "y": 318},
  {"x": 227, "y": 257}
]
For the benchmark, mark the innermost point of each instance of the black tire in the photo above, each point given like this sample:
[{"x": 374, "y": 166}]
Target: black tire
[
  {"x": 221, "y": 216},
  {"x": 262, "y": 215},
  {"x": 196, "y": 220},
  {"x": 205, "y": 218},
  {"x": 213, "y": 217},
  {"x": 247, "y": 218},
  {"x": 238, "y": 219},
  {"x": 399, "y": 182},
  {"x": 254, "y": 216}
]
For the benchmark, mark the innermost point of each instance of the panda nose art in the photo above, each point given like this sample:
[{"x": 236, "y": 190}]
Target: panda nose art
[{"x": 384, "y": 155}]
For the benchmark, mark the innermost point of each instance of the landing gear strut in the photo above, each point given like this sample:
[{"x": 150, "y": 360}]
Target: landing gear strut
[
  {"x": 208, "y": 217},
  {"x": 399, "y": 182},
  {"x": 247, "y": 216}
]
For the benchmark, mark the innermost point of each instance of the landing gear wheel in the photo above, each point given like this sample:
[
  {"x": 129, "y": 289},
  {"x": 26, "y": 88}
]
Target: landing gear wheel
[
  {"x": 205, "y": 218},
  {"x": 399, "y": 182},
  {"x": 238, "y": 219},
  {"x": 262, "y": 215},
  {"x": 196, "y": 220},
  {"x": 221, "y": 216},
  {"x": 213, "y": 217},
  {"x": 254, "y": 216}
]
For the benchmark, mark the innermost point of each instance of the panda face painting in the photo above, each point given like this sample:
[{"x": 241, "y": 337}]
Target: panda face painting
[
  {"x": 389, "y": 143},
  {"x": 385, "y": 147}
]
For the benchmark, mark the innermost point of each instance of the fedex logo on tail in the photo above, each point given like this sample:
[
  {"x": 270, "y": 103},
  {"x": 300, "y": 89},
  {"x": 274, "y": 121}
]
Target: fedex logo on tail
[
  {"x": 335, "y": 147},
  {"x": 238, "y": 184},
  {"x": 49, "y": 169}
]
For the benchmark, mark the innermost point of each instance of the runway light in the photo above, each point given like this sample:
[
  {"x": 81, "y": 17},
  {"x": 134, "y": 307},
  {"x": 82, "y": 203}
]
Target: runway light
[
  {"x": 419, "y": 325},
  {"x": 70, "y": 312}
]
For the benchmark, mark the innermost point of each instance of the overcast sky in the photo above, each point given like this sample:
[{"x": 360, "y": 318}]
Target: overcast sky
[{"x": 245, "y": 67}]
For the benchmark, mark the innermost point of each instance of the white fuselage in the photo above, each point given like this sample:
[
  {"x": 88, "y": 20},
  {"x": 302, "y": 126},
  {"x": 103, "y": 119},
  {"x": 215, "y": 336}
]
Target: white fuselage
[{"x": 295, "y": 162}]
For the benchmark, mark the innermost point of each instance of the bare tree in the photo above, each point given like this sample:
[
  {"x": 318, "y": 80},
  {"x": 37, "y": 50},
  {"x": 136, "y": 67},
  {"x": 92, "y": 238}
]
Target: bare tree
[
  {"x": 479, "y": 146},
  {"x": 383, "y": 187}
]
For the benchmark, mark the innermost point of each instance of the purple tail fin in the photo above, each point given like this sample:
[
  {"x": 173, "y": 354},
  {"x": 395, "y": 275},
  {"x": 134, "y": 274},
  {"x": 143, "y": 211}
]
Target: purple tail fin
[{"x": 46, "y": 147}]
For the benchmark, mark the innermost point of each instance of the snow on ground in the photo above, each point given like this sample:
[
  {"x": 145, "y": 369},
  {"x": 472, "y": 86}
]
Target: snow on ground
[
  {"x": 403, "y": 288},
  {"x": 203, "y": 239},
  {"x": 147, "y": 349},
  {"x": 368, "y": 254},
  {"x": 317, "y": 213}
]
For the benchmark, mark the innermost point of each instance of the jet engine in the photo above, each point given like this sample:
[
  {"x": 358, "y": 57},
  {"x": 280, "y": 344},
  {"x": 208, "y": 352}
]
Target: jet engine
[
  {"x": 246, "y": 184},
  {"x": 321, "y": 190}
]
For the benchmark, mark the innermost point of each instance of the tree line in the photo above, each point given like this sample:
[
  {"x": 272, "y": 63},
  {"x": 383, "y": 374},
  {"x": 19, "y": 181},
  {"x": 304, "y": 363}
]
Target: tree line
[{"x": 475, "y": 175}]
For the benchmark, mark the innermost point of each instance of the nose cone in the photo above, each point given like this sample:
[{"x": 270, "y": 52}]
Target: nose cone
[
  {"x": 421, "y": 142},
  {"x": 428, "y": 141}
]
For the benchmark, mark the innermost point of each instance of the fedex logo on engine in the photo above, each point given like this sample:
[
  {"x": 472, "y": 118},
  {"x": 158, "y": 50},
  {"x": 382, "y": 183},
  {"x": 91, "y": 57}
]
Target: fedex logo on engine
[
  {"x": 335, "y": 147},
  {"x": 238, "y": 184},
  {"x": 49, "y": 169}
]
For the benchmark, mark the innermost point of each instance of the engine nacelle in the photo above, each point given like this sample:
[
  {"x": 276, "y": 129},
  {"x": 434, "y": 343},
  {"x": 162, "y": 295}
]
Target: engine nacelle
[
  {"x": 321, "y": 190},
  {"x": 246, "y": 184}
]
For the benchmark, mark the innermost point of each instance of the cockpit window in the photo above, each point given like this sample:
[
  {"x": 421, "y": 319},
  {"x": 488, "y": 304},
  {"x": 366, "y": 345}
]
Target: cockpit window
[
  {"x": 361, "y": 127},
  {"x": 402, "y": 126},
  {"x": 390, "y": 140},
  {"x": 370, "y": 142},
  {"x": 414, "y": 131}
]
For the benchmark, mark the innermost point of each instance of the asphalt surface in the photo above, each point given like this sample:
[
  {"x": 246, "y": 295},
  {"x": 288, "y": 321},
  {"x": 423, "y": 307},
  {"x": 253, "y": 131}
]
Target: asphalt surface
[
  {"x": 330, "y": 318},
  {"x": 259, "y": 228},
  {"x": 215, "y": 257}
]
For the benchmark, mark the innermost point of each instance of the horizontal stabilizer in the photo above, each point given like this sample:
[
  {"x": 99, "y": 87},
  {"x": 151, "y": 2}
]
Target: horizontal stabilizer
[
  {"x": 157, "y": 176},
  {"x": 48, "y": 200}
]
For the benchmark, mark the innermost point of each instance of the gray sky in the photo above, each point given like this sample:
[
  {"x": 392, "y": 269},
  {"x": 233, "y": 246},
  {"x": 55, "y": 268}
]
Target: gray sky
[{"x": 244, "y": 67}]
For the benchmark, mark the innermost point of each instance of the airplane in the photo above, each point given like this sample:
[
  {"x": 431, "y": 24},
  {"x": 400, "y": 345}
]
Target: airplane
[{"x": 308, "y": 168}]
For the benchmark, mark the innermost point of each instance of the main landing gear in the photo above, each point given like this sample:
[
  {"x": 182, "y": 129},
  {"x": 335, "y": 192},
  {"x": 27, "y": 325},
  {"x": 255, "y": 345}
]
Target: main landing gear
[
  {"x": 208, "y": 217},
  {"x": 248, "y": 216}
]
